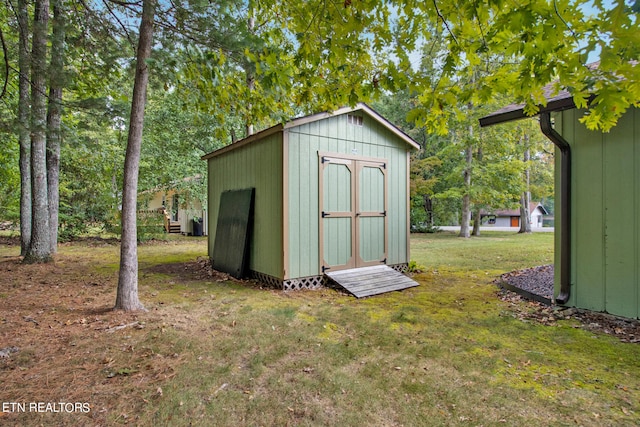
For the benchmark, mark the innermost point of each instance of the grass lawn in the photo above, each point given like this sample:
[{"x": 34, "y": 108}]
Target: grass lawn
[{"x": 218, "y": 353}]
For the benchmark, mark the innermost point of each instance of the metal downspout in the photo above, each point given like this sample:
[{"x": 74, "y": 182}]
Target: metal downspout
[{"x": 565, "y": 206}]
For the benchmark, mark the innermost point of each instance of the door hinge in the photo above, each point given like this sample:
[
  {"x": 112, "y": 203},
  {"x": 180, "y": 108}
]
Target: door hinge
[
  {"x": 325, "y": 268},
  {"x": 325, "y": 214},
  {"x": 325, "y": 159}
]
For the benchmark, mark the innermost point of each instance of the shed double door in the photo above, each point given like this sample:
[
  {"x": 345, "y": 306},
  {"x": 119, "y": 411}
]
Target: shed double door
[{"x": 353, "y": 212}]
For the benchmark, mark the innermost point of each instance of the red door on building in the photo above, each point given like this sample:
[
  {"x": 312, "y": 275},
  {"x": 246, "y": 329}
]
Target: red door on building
[{"x": 515, "y": 221}]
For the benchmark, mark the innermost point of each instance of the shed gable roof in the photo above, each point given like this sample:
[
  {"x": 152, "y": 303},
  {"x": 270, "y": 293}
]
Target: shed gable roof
[
  {"x": 359, "y": 107},
  {"x": 313, "y": 118}
]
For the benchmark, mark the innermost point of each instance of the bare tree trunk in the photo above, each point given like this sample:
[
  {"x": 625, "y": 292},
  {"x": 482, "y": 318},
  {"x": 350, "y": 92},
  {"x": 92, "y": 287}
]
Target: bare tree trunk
[
  {"x": 54, "y": 119},
  {"x": 24, "y": 106},
  {"x": 476, "y": 212},
  {"x": 525, "y": 197},
  {"x": 476, "y": 222},
  {"x": 428, "y": 208},
  {"x": 466, "y": 198},
  {"x": 40, "y": 247},
  {"x": 251, "y": 80},
  {"x": 127, "y": 296},
  {"x": 525, "y": 224}
]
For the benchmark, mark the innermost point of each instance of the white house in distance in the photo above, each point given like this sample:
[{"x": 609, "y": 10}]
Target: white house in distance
[
  {"x": 179, "y": 211},
  {"x": 511, "y": 217}
]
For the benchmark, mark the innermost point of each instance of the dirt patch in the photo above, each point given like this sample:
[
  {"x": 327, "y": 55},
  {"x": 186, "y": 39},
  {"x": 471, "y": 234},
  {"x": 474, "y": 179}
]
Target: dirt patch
[
  {"x": 10, "y": 240},
  {"x": 61, "y": 342},
  {"x": 197, "y": 270}
]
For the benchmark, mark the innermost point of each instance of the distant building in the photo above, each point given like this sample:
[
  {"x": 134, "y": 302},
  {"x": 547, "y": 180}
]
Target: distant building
[
  {"x": 511, "y": 217},
  {"x": 180, "y": 212}
]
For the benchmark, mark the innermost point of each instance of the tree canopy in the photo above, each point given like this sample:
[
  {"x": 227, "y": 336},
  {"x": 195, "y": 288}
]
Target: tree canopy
[{"x": 490, "y": 47}]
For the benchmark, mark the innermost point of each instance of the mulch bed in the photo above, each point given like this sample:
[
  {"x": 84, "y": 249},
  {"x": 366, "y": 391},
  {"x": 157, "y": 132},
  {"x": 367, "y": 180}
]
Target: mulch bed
[{"x": 536, "y": 285}]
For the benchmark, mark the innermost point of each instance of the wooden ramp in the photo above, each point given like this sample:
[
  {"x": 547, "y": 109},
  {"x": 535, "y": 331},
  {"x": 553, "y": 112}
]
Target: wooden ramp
[{"x": 367, "y": 281}]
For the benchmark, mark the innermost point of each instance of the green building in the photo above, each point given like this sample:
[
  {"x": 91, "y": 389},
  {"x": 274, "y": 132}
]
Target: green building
[
  {"x": 331, "y": 192},
  {"x": 597, "y": 236}
]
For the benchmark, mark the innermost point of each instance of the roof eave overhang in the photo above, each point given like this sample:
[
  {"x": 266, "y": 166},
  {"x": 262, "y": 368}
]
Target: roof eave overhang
[
  {"x": 243, "y": 142},
  {"x": 517, "y": 113}
]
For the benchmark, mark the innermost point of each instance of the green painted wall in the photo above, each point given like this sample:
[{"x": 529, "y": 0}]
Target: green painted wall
[
  {"x": 258, "y": 165},
  {"x": 605, "y": 217},
  {"x": 335, "y": 135}
]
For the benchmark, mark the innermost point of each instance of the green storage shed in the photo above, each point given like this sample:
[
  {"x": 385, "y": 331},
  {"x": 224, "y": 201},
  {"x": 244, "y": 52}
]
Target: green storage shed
[
  {"x": 597, "y": 239},
  {"x": 331, "y": 192}
]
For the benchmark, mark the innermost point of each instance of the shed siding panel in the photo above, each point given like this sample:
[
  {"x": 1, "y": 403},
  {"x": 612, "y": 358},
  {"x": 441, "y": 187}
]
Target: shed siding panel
[
  {"x": 255, "y": 165},
  {"x": 605, "y": 201},
  {"x": 587, "y": 212},
  {"x": 636, "y": 140},
  {"x": 294, "y": 199},
  {"x": 397, "y": 192},
  {"x": 303, "y": 206},
  {"x": 620, "y": 219},
  {"x": 307, "y": 251},
  {"x": 329, "y": 135}
]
